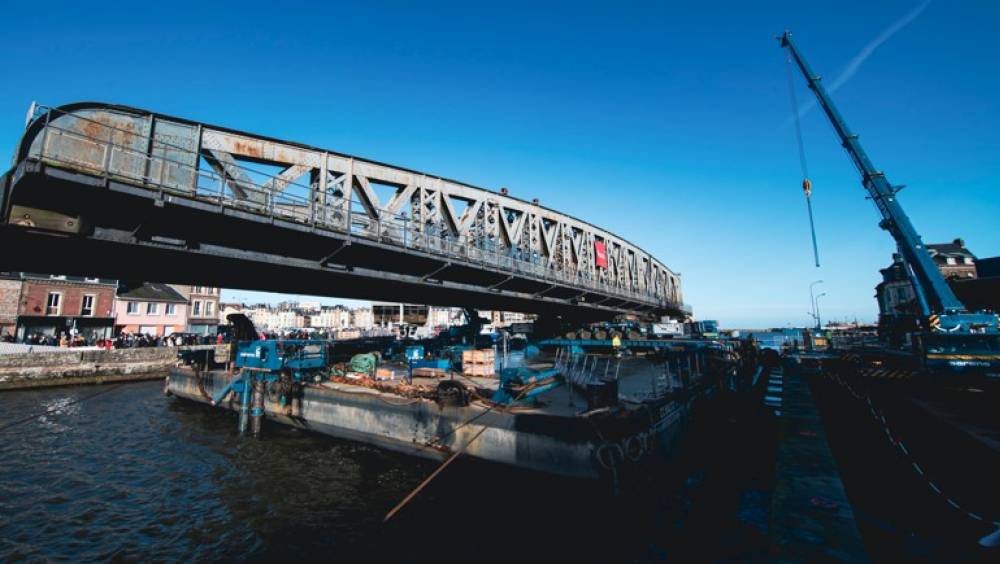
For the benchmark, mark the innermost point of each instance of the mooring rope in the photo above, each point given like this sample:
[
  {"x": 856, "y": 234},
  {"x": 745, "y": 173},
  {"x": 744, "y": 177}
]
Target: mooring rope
[{"x": 451, "y": 458}]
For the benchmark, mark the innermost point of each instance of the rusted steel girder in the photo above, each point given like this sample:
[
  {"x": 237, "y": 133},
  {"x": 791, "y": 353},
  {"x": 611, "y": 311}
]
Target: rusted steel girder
[{"x": 331, "y": 190}]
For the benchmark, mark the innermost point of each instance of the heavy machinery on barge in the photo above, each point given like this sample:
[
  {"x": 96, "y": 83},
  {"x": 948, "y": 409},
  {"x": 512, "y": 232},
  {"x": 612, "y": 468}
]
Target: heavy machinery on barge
[{"x": 562, "y": 411}]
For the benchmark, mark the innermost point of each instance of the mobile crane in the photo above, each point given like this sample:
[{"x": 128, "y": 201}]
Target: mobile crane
[{"x": 948, "y": 338}]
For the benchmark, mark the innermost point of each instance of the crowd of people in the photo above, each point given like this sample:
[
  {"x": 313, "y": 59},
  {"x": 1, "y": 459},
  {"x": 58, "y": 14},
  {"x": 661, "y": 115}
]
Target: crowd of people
[
  {"x": 128, "y": 340},
  {"x": 124, "y": 340},
  {"x": 291, "y": 335},
  {"x": 61, "y": 339}
]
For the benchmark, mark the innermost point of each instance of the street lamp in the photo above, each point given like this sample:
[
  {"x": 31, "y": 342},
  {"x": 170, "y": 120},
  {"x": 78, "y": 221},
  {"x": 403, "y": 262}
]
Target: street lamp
[
  {"x": 819, "y": 323},
  {"x": 812, "y": 302}
]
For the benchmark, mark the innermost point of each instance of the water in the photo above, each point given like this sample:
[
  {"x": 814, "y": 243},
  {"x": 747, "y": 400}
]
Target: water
[{"x": 133, "y": 475}]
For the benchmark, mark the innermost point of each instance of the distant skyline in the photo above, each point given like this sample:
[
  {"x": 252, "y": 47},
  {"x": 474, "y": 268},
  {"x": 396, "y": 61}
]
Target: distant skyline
[{"x": 668, "y": 125}]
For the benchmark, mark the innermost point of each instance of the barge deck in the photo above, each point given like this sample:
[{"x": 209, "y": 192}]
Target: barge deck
[{"x": 555, "y": 433}]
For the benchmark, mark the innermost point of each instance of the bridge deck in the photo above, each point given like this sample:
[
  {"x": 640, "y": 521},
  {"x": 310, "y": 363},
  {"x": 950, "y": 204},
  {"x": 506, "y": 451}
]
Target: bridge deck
[{"x": 118, "y": 192}]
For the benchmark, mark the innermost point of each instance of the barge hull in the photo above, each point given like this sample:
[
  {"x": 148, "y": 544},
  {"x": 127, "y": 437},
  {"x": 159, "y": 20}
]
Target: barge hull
[{"x": 568, "y": 445}]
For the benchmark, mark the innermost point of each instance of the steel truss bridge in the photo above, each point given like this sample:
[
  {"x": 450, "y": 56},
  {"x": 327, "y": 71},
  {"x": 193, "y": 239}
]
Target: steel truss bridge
[{"x": 113, "y": 191}]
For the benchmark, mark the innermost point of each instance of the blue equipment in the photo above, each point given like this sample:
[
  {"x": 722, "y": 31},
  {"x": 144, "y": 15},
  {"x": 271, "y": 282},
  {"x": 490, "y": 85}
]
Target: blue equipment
[
  {"x": 415, "y": 352},
  {"x": 949, "y": 335},
  {"x": 286, "y": 363},
  {"x": 301, "y": 357},
  {"x": 519, "y": 384},
  {"x": 706, "y": 329}
]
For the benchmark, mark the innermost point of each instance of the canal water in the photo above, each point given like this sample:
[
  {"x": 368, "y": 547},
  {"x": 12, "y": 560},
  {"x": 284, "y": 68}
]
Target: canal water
[{"x": 133, "y": 475}]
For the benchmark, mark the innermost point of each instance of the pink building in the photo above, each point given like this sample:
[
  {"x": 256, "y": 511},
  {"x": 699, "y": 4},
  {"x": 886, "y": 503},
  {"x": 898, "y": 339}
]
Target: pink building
[{"x": 152, "y": 309}]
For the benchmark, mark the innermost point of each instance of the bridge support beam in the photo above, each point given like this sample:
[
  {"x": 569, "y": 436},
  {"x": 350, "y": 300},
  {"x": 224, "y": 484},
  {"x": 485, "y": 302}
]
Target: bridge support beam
[
  {"x": 435, "y": 272},
  {"x": 210, "y": 215}
]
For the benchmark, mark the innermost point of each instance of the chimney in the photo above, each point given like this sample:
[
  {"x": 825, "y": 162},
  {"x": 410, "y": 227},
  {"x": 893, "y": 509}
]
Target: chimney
[{"x": 960, "y": 242}]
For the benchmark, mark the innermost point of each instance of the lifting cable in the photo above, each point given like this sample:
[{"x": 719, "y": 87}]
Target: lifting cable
[{"x": 806, "y": 183}]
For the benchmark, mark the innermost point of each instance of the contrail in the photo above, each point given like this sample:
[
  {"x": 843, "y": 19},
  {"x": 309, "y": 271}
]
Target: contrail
[{"x": 855, "y": 63}]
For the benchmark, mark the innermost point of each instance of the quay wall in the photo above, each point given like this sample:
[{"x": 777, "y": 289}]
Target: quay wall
[{"x": 58, "y": 368}]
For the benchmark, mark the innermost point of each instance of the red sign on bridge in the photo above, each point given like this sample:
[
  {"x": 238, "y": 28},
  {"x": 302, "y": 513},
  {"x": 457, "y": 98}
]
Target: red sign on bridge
[{"x": 600, "y": 254}]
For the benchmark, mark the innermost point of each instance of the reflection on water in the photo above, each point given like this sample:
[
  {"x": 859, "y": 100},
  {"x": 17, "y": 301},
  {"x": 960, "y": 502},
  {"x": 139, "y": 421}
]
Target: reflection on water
[{"x": 133, "y": 475}]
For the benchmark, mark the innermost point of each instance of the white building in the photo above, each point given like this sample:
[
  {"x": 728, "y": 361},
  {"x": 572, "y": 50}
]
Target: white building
[
  {"x": 310, "y": 306},
  {"x": 287, "y": 319},
  {"x": 444, "y": 316},
  {"x": 226, "y": 309},
  {"x": 203, "y": 308},
  {"x": 331, "y": 318},
  {"x": 500, "y": 319},
  {"x": 274, "y": 320},
  {"x": 362, "y": 318}
]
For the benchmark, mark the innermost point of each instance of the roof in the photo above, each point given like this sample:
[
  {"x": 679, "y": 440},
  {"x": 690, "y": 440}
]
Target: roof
[
  {"x": 154, "y": 292},
  {"x": 955, "y": 249}
]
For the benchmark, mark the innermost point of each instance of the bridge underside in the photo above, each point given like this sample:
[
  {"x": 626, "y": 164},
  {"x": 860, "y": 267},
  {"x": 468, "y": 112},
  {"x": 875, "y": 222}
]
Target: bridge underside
[{"x": 77, "y": 223}]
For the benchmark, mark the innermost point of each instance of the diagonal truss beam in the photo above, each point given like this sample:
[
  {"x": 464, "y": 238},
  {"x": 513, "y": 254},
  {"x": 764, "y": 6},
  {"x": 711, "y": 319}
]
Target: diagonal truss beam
[
  {"x": 232, "y": 175},
  {"x": 286, "y": 177}
]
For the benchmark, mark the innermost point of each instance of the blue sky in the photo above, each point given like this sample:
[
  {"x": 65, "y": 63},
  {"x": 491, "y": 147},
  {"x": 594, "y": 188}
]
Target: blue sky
[{"x": 667, "y": 123}]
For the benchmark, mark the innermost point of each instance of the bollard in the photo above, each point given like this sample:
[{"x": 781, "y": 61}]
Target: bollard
[
  {"x": 245, "y": 403},
  {"x": 257, "y": 407}
]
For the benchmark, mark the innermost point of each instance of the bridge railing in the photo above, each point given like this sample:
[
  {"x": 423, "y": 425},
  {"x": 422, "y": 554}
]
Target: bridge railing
[{"x": 114, "y": 152}]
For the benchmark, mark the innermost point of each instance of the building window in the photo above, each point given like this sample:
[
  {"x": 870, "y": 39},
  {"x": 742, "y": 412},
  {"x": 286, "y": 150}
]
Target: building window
[
  {"x": 57, "y": 276},
  {"x": 53, "y": 305},
  {"x": 151, "y": 308},
  {"x": 208, "y": 309},
  {"x": 197, "y": 308},
  {"x": 94, "y": 280},
  {"x": 171, "y": 309},
  {"x": 87, "y": 305},
  {"x": 132, "y": 308},
  {"x": 950, "y": 260},
  {"x": 967, "y": 260},
  {"x": 901, "y": 295}
]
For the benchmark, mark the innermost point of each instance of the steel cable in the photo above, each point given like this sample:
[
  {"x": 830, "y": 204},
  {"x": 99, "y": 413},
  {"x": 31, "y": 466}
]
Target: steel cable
[{"x": 806, "y": 183}]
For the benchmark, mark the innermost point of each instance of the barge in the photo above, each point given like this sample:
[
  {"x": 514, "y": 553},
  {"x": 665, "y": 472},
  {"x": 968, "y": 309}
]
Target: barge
[{"x": 581, "y": 423}]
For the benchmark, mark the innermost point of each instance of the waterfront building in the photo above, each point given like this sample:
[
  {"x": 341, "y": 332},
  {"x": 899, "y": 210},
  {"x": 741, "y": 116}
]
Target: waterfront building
[
  {"x": 362, "y": 318},
  {"x": 203, "y": 308},
  {"x": 10, "y": 297},
  {"x": 501, "y": 319},
  {"x": 152, "y": 309},
  {"x": 225, "y": 309},
  {"x": 337, "y": 317},
  {"x": 312, "y": 306},
  {"x": 282, "y": 316},
  {"x": 897, "y": 301},
  {"x": 54, "y": 305},
  {"x": 388, "y": 314}
]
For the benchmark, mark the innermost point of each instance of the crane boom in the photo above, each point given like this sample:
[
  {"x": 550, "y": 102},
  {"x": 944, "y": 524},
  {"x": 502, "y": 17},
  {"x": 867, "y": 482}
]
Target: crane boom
[{"x": 932, "y": 290}]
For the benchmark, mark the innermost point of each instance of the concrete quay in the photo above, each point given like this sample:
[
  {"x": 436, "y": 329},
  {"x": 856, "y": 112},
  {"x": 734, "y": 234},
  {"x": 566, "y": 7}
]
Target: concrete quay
[{"x": 69, "y": 366}]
